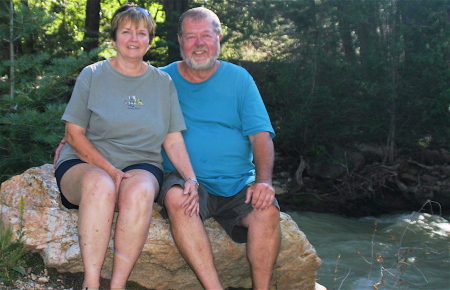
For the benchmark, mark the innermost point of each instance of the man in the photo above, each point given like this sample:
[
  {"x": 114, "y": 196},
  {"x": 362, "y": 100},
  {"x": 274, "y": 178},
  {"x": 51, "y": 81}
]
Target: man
[{"x": 228, "y": 128}]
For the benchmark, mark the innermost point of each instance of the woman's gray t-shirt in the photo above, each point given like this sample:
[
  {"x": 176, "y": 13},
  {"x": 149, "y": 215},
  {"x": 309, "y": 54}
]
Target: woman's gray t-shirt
[{"x": 126, "y": 117}]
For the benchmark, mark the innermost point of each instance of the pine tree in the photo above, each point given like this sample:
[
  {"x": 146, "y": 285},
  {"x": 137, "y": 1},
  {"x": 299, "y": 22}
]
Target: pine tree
[{"x": 34, "y": 87}]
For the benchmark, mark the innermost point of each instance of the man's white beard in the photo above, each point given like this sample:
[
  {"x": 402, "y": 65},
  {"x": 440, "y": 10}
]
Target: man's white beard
[
  {"x": 209, "y": 63},
  {"x": 200, "y": 66}
]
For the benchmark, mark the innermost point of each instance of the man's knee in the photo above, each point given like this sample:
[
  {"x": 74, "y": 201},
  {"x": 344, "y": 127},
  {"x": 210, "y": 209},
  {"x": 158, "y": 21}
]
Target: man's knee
[
  {"x": 174, "y": 198},
  {"x": 272, "y": 216},
  {"x": 266, "y": 218}
]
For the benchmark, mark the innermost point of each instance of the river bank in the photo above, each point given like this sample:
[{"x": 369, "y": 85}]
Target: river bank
[{"x": 359, "y": 182}]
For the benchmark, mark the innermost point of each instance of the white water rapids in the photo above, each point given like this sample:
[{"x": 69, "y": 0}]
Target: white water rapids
[{"x": 403, "y": 251}]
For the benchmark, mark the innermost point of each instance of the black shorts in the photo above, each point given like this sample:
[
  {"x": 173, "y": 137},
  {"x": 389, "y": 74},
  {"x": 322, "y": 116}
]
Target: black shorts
[
  {"x": 227, "y": 211},
  {"x": 66, "y": 165}
]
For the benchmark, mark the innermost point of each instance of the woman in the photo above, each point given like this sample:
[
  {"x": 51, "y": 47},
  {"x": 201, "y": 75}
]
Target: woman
[{"x": 121, "y": 111}]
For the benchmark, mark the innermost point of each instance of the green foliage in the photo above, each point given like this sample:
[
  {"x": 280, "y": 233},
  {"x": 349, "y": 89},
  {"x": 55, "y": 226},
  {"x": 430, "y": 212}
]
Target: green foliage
[
  {"x": 64, "y": 35},
  {"x": 29, "y": 138},
  {"x": 30, "y": 123},
  {"x": 11, "y": 256},
  {"x": 253, "y": 30},
  {"x": 386, "y": 83},
  {"x": 332, "y": 73}
]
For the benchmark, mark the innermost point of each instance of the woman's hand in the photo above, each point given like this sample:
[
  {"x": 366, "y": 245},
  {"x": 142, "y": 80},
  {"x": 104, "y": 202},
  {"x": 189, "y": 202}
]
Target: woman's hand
[
  {"x": 86, "y": 151},
  {"x": 117, "y": 175}
]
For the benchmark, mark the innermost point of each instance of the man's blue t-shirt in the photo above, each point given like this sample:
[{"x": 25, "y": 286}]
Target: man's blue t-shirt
[{"x": 220, "y": 113}]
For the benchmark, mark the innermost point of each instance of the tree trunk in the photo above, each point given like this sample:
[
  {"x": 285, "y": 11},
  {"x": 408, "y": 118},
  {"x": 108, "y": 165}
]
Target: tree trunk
[
  {"x": 173, "y": 9},
  {"x": 345, "y": 30},
  {"x": 366, "y": 31},
  {"x": 392, "y": 42},
  {"x": 12, "y": 81},
  {"x": 92, "y": 24}
]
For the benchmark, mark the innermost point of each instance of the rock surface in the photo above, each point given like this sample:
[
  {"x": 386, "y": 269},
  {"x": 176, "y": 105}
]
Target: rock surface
[{"x": 30, "y": 203}]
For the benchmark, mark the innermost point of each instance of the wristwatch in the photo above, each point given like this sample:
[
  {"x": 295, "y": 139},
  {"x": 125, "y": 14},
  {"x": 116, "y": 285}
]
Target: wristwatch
[{"x": 193, "y": 179}]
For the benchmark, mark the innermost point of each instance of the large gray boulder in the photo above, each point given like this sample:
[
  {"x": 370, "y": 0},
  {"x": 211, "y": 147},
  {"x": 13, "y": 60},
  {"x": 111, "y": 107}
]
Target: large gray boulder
[{"x": 30, "y": 203}]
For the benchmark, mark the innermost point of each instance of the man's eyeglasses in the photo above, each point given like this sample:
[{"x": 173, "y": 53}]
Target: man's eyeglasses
[{"x": 128, "y": 7}]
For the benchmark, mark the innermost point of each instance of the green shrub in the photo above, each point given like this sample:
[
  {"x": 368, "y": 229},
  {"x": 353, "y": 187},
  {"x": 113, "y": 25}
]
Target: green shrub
[
  {"x": 30, "y": 125},
  {"x": 11, "y": 256}
]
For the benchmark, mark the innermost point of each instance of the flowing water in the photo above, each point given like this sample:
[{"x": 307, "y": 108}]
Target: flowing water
[{"x": 404, "y": 251}]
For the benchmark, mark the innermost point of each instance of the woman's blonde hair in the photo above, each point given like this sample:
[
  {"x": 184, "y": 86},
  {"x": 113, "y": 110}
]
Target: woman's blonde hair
[{"x": 135, "y": 14}]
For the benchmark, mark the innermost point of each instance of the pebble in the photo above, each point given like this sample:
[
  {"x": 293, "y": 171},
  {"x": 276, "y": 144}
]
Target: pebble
[{"x": 32, "y": 281}]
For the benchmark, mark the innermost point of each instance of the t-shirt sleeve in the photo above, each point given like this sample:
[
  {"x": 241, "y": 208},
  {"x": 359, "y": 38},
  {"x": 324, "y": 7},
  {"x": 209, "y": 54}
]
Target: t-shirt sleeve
[
  {"x": 253, "y": 113},
  {"x": 77, "y": 111}
]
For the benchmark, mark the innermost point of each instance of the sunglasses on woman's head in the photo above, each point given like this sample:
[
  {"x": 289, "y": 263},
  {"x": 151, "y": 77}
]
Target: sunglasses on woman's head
[{"x": 125, "y": 8}]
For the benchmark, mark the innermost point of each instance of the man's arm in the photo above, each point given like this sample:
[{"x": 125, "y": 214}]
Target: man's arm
[
  {"x": 262, "y": 194},
  {"x": 177, "y": 153},
  {"x": 58, "y": 152}
]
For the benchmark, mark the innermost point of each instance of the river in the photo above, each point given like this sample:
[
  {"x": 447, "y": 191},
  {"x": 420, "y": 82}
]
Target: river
[{"x": 402, "y": 251}]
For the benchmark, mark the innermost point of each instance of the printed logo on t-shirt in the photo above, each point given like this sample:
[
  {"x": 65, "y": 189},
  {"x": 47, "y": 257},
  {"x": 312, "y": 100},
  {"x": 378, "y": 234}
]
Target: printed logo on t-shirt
[{"x": 133, "y": 103}]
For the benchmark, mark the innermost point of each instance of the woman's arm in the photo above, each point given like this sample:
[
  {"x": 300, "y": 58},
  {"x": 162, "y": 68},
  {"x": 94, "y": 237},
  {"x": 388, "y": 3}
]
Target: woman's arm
[{"x": 86, "y": 151}]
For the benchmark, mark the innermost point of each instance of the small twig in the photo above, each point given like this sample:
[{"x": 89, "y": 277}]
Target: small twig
[
  {"x": 421, "y": 165},
  {"x": 336, "y": 268},
  {"x": 342, "y": 282},
  {"x": 299, "y": 172},
  {"x": 372, "y": 250}
]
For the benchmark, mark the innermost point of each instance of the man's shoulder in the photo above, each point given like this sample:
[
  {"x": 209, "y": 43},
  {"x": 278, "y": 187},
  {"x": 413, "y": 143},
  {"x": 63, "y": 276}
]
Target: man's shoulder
[
  {"x": 233, "y": 69},
  {"x": 231, "y": 65},
  {"x": 169, "y": 67}
]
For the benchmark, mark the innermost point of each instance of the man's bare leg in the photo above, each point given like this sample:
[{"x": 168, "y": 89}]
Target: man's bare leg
[
  {"x": 191, "y": 239},
  {"x": 263, "y": 244}
]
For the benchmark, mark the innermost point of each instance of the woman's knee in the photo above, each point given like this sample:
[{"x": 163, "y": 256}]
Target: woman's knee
[
  {"x": 138, "y": 194},
  {"x": 85, "y": 181},
  {"x": 98, "y": 185}
]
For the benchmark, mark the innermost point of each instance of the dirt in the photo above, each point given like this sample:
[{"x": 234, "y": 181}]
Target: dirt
[{"x": 38, "y": 277}]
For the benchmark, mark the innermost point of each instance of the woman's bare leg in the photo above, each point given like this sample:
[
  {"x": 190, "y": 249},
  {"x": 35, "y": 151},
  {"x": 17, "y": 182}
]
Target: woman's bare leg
[
  {"x": 93, "y": 190},
  {"x": 135, "y": 204}
]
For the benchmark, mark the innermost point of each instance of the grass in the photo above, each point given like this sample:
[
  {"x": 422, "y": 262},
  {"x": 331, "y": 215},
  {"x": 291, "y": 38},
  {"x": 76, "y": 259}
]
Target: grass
[{"x": 12, "y": 256}]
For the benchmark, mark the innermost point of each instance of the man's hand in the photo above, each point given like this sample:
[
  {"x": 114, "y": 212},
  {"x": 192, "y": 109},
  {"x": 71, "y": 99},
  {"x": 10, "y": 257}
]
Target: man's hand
[
  {"x": 261, "y": 195},
  {"x": 191, "y": 203},
  {"x": 58, "y": 152}
]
